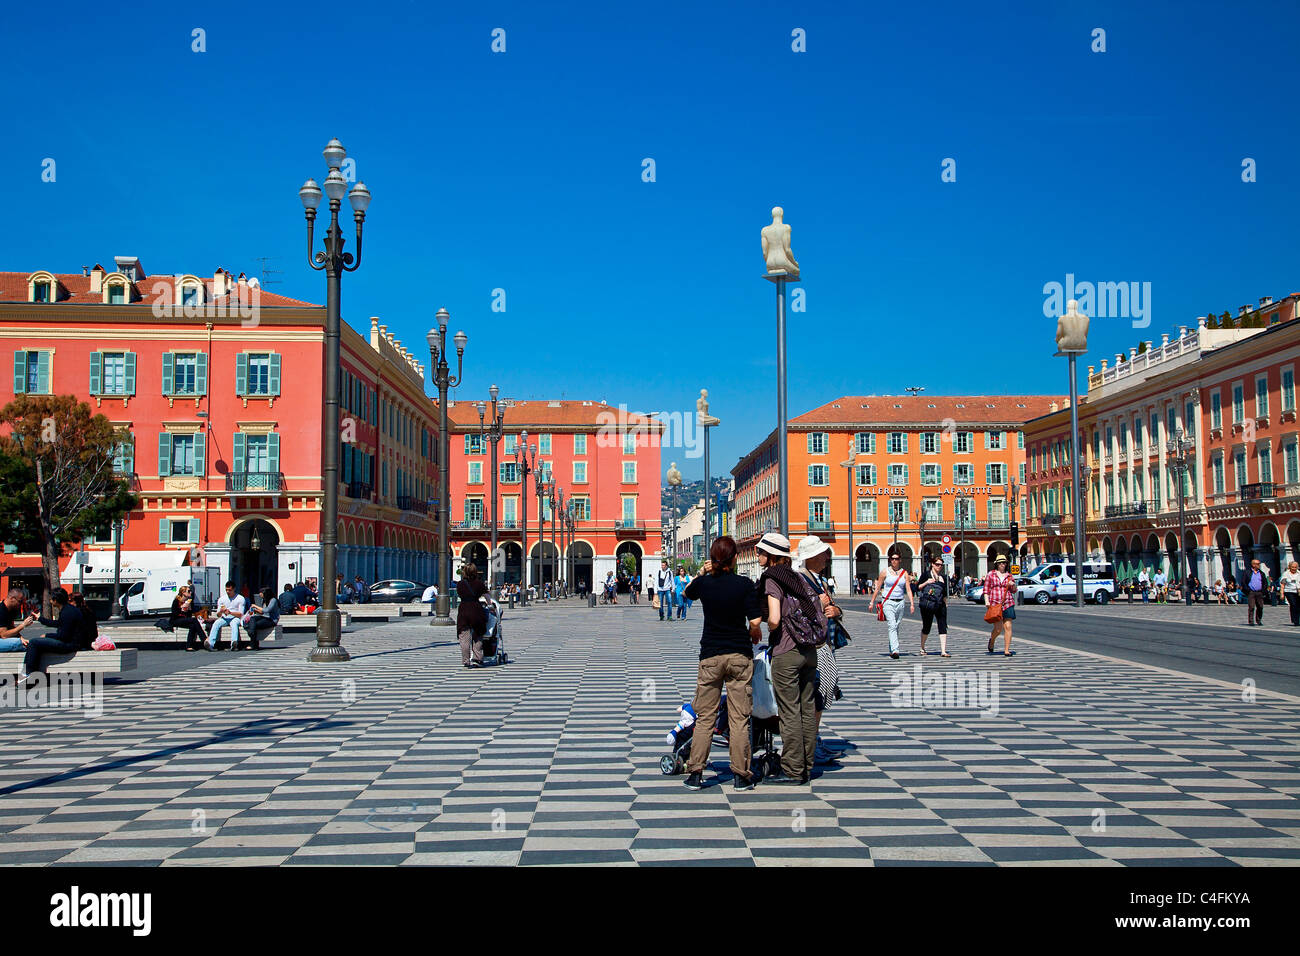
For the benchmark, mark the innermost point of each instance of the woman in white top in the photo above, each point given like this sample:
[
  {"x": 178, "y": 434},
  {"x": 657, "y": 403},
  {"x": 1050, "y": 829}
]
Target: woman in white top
[
  {"x": 892, "y": 586},
  {"x": 1291, "y": 590}
]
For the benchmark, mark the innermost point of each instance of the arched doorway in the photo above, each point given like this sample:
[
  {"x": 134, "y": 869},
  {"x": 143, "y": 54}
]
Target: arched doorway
[
  {"x": 1245, "y": 552},
  {"x": 1172, "y": 567},
  {"x": 1293, "y": 541},
  {"x": 514, "y": 555},
  {"x": 626, "y": 569},
  {"x": 1269, "y": 550},
  {"x": 476, "y": 553},
  {"x": 1223, "y": 544},
  {"x": 583, "y": 560},
  {"x": 968, "y": 560},
  {"x": 867, "y": 557},
  {"x": 254, "y": 556},
  {"x": 1123, "y": 570},
  {"x": 542, "y": 563},
  {"x": 905, "y": 550}
]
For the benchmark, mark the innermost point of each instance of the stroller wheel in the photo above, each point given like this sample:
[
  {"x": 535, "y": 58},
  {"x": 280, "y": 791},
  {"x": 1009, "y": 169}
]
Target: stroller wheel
[
  {"x": 505, "y": 658},
  {"x": 668, "y": 764}
]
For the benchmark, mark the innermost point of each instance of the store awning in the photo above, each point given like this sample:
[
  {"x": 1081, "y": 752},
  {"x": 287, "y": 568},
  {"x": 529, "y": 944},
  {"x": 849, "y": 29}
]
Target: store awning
[{"x": 135, "y": 564}]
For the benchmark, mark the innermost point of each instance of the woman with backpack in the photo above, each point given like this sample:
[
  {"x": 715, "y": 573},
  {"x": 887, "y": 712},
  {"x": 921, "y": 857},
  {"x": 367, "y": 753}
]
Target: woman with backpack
[
  {"x": 933, "y": 598},
  {"x": 796, "y": 624},
  {"x": 811, "y": 560},
  {"x": 893, "y": 585}
]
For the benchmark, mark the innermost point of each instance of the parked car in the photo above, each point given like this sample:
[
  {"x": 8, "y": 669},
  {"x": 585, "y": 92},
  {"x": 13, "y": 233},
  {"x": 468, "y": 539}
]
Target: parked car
[
  {"x": 1037, "y": 590},
  {"x": 396, "y": 592},
  {"x": 975, "y": 593}
]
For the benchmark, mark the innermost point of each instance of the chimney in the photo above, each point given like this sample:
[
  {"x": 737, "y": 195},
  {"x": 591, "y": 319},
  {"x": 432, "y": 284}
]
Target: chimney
[
  {"x": 85, "y": 270},
  {"x": 97, "y": 279},
  {"x": 1266, "y": 300},
  {"x": 1243, "y": 310}
]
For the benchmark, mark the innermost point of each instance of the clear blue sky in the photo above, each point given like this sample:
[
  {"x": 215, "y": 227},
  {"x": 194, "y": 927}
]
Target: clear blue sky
[{"x": 522, "y": 171}]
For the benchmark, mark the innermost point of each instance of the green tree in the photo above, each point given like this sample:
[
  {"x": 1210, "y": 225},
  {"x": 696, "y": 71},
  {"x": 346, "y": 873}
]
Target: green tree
[
  {"x": 1225, "y": 320},
  {"x": 629, "y": 564},
  {"x": 1142, "y": 348},
  {"x": 56, "y": 457},
  {"x": 1211, "y": 321}
]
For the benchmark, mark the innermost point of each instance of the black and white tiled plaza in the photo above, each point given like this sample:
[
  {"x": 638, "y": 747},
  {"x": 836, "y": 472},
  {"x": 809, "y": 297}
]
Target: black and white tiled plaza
[{"x": 403, "y": 756}]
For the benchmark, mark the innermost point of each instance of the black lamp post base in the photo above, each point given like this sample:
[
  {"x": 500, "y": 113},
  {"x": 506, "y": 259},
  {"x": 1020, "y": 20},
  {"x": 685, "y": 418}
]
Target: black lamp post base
[
  {"x": 442, "y": 622},
  {"x": 329, "y": 643},
  {"x": 330, "y": 654}
]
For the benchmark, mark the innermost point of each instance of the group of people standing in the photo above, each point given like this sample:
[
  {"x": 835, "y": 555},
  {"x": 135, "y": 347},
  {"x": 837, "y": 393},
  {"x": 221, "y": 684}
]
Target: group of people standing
[{"x": 668, "y": 592}]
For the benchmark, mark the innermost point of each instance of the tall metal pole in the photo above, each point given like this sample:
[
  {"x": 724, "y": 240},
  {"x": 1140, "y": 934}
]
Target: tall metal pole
[
  {"x": 437, "y": 339},
  {"x": 853, "y": 559},
  {"x": 117, "y": 568},
  {"x": 495, "y": 436},
  {"x": 708, "y": 495},
  {"x": 782, "y": 452},
  {"x": 1079, "y": 530},
  {"x": 521, "y": 452}
]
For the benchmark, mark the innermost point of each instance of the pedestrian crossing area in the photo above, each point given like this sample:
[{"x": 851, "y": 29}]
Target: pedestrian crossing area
[{"x": 404, "y": 757}]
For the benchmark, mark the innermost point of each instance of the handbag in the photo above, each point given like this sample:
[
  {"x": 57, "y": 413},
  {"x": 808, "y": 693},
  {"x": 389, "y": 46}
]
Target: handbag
[
  {"x": 838, "y": 634},
  {"x": 763, "y": 705},
  {"x": 880, "y": 614},
  {"x": 994, "y": 613}
]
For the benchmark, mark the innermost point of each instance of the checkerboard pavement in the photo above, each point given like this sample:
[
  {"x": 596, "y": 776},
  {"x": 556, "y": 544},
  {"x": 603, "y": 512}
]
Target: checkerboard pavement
[{"x": 403, "y": 756}]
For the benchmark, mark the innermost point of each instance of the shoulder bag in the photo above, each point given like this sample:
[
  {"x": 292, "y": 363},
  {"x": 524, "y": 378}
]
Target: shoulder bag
[
  {"x": 994, "y": 613},
  {"x": 880, "y": 614}
]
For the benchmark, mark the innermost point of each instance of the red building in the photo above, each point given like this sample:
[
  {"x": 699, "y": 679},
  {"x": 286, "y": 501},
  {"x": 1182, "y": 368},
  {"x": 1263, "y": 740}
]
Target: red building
[
  {"x": 214, "y": 386},
  {"x": 606, "y": 461}
]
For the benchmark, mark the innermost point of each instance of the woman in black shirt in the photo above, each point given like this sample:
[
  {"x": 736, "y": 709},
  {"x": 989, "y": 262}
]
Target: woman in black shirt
[
  {"x": 182, "y": 617},
  {"x": 731, "y": 617},
  {"x": 471, "y": 618}
]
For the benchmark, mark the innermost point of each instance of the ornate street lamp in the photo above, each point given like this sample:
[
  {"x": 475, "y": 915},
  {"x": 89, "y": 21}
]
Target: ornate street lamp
[
  {"x": 540, "y": 485},
  {"x": 558, "y": 505},
  {"x": 526, "y": 462},
  {"x": 674, "y": 482},
  {"x": 1177, "y": 448},
  {"x": 848, "y": 466},
  {"x": 1072, "y": 341},
  {"x": 334, "y": 262},
  {"x": 492, "y": 434},
  {"x": 441, "y": 371},
  {"x": 781, "y": 268}
]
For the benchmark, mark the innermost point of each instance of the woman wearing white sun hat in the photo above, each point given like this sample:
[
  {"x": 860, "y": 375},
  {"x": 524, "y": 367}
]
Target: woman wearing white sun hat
[{"x": 812, "y": 559}]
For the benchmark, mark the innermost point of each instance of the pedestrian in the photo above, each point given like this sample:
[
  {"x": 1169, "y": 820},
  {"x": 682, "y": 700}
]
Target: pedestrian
[
  {"x": 471, "y": 617},
  {"x": 1219, "y": 596},
  {"x": 12, "y": 621},
  {"x": 262, "y": 618},
  {"x": 731, "y": 629},
  {"x": 69, "y": 636},
  {"x": 812, "y": 556},
  {"x": 1257, "y": 585},
  {"x": 1000, "y": 592},
  {"x": 1161, "y": 583},
  {"x": 893, "y": 585},
  {"x": 230, "y": 611},
  {"x": 679, "y": 593},
  {"x": 343, "y": 590},
  {"x": 1290, "y": 583},
  {"x": 664, "y": 587},
  {"x": 933, "y": 598},
  {"x": 790, "y": 602},
  {"x": 635, "y": 589},
  {"x": 1194, "y": 587},
  {"x": 1144, "y": 583},
  {"x": 182, "y": 617},
  {"x": 1233, "y": 594},
  {"x": 362, "y": 589}
]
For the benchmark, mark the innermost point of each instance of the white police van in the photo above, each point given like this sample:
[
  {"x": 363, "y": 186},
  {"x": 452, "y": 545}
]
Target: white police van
[{"x": 1098, "y": 582}]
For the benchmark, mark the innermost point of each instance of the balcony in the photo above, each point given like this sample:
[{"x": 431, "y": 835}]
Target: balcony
[
  {"x": 1259, "y": 491},
  {"x": 1049, "y": 518},
  {"x": 627, "y": 526},
  {"x": 411, "y": 503},
  {"x": 1137, "y": 509},
  {"x": 254, "y": 482},
  {"x": 820, "y": 524},
  {"x": 360, "y": 490}
]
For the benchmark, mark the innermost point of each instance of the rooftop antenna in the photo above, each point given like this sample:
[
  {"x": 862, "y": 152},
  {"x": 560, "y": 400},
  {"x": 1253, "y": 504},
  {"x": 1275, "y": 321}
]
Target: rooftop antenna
[
  {"x": 915, "y": 390},
  {"x": 268, "y": 272}
]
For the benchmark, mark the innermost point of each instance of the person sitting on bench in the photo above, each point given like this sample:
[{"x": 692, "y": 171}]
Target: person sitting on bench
[
  {"x": 265, "y": 617},
  {"x": 12, "y": 621},
  {"x": 182, "y": 618},
  {"x": 67, "y": 639},
  {"x": 229, "y": 611}
]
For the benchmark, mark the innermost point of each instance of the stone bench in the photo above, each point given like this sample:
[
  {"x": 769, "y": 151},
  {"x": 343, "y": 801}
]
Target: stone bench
[{"x": 81, "y": 662}]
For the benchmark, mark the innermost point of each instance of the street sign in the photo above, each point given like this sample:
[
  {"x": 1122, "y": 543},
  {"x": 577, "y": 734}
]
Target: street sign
[
  {"x": 947, "y": 549},
  {"x": 1015, "y": 569},
  {"x": 947, "y": 539}
]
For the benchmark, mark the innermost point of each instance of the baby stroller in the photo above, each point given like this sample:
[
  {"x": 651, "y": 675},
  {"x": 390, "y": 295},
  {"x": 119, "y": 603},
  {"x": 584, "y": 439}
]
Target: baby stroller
[
  {"x": 494, "y": 648},
  {"x": 764, "y": 758}
]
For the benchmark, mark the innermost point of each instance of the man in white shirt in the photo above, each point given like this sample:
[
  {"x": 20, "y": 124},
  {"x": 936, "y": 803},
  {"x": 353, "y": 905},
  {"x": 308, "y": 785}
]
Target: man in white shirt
[
  {"x": 665, "y": 585},
  {"x": 1144, "y": 584},
  {"x": 230, "y": 610}
]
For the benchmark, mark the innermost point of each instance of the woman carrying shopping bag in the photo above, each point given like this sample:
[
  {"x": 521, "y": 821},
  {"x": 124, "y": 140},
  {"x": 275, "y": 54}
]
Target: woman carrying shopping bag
[
  {"x": 893, "y": 585},
  {"x": 1000, "y": 596},
  {"x": 933, "y": 597}
]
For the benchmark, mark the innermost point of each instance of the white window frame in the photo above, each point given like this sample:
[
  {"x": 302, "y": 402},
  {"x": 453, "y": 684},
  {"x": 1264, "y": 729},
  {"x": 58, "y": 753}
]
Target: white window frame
[
  {"x": 957, "y": 471},
  {"x": 579, "y": 477},
  {"x": 475, "y": 468}
]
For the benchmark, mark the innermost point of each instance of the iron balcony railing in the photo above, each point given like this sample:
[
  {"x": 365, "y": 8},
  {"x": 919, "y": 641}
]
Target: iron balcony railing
[
  {"x": 411, "y": 503},
  {"x": 627, "y": 524},
  {"x": 241, "y": 482},
  {"x": 1135, "y": 509},
  {"x": 1259, "y": 491},
  {"x": 360, "y": 490},
  {"x": 820, "y": 524},
  {"x": 1049, "y": 518}
]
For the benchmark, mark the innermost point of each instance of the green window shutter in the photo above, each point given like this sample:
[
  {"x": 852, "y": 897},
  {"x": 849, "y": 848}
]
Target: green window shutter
[
  {"x": 96, "y": 372},
  {"x": 164, "y": 531},
  {"x": 275, "y": 373},
  {"x": 20, "y": 372},
  {"x": 130, "y": 373},
  {"x": 164, "y": 454},
  {"x": 194, "y": 530},
  {"x": 128, "y": 453},
  {"x": 169, "y": 374},
  {"x": 241, "y": 373},
  {"x": 241, "y": 451},
  {"x": 273, "y": 452},
  {"x": 43, "y": 373},
  {"x": 200, "y": 449},
  {"x": 201, "y": 374}
]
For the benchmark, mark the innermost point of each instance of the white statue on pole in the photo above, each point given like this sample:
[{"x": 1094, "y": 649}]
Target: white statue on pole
[
  {"x": 702, "y": 409},
  {"x": 776, "y": 247},
  {"x": 1072, "y": 329}
]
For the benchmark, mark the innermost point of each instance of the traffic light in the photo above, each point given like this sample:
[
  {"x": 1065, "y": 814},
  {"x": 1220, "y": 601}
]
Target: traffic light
[{"x": 1015, "y": 534}]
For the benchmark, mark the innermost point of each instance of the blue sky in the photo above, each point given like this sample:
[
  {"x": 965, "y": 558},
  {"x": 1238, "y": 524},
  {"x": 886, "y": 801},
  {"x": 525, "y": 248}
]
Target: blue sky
[{"x": 523, "y": 171}]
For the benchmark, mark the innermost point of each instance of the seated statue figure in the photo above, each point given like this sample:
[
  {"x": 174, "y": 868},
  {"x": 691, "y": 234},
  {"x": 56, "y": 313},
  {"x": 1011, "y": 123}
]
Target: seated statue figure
[
  {"x": 776, "y": 246},
  {"x": 702, "y": 409},
  {"x": 1072, "y": 329}
]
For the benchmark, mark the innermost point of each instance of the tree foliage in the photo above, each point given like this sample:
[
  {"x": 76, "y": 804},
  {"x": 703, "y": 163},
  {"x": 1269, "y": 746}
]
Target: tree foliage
[{"x": 56, "y": 460}]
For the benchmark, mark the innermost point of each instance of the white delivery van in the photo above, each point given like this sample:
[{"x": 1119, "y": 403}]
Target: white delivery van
[
  {"x": 154, "y": 595},
  {"x": 1098, "y": 580}
]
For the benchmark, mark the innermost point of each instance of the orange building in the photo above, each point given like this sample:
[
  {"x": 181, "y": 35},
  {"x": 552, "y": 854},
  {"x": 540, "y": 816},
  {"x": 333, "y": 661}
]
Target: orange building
[
  {"x": 606, "y": 461},
  {"x": 1228, "y": 392},
  {"x": 915, "y": 468},
  {"x": 214, "y": 386}
]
